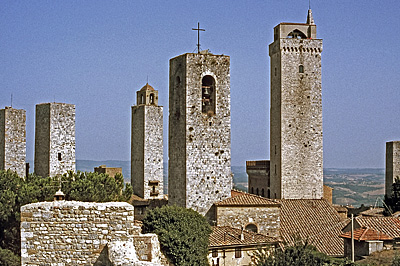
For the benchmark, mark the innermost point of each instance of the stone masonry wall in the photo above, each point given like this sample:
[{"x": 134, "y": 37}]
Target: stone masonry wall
[
  {"x": 296, "y": 118},
  {"x": 267, "y": 219},
  {"x": 82, "y": 233},
  {"x": 13, "y": 140},
  {"x": 137, "y": 150},
  {"x": 392, "y": 165},
  {"x": 199, "y": 144},
  {"x": 54, "y": 139}
]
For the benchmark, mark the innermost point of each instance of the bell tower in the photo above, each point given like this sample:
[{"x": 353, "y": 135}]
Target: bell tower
[
  {"x": 296, "y": 112},
  {"x": 199, "y": 167},
  {"x": 147, "y": 145}
]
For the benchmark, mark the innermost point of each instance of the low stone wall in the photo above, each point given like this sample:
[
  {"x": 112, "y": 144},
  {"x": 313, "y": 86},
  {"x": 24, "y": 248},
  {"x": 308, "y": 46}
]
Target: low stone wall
[{"x": 83, "y": 233}]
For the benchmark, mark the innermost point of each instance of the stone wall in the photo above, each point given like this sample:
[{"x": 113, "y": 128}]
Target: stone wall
[
  {"x": 54, "y": 139},
  {"x": 13, "y": 140},
  {"x": 82, "y": 233},
  {"x": 267, "y": 219},
  {"x": 199, "y": 171},
  {"x": 296, "y": 116},
  {"x": 392, "y": 165}
]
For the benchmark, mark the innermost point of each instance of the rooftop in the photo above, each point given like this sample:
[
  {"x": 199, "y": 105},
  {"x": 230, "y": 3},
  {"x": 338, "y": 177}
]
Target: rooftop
[
  {"x": 239, "y": 198},
  {"x": 366, "y": 233}
]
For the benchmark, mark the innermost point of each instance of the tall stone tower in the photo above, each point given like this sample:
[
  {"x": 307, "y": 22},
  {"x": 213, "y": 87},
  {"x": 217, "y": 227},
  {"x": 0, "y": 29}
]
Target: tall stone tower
[
  {"x": 54, "y": 139},
  {"x": 13, "y": 140},
  {"x": 392, "y": 165},
  {"x": 296, "y": 112},
  {"x": 147, "y": 145},
  {"x": 199, "y": 147}
]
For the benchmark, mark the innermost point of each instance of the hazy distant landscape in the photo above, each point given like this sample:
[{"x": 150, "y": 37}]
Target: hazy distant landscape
[{"x": 351, "y": 186}]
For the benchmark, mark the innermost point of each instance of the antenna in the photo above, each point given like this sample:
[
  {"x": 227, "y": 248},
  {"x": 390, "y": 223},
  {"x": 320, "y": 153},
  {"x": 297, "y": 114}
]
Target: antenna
[
  {"x": 11, "y": 100},
  {"x": 309, "y": 4},
  {"x": 198, "y": 36}
]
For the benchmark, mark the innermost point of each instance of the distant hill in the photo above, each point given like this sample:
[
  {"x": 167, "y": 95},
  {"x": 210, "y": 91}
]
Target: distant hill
[{"x": 351, "y": 186}]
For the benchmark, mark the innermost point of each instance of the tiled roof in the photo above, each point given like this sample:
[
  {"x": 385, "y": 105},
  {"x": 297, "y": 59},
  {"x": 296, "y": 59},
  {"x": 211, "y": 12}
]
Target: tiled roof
[
  {"x": 387, "y": 225},
  {"x": 147, "y": 87},
  {"x": 313, "y": 220},
  {"x": 229, "y": 236},
  {"x": 365, "y": 233},
  {"x": 246, "y": 199}
]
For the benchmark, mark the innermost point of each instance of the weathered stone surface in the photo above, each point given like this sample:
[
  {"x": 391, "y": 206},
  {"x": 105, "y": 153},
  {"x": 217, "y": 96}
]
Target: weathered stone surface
[
  {"x": 392, "y": 165},
  {"x": 54, "y": 139},
  {"x": 13, "y": 140},
  {"x": 199, "y": 167},
  {"x": 82, "y": 233},
  {"x": 267, "y": 219},
  {"x": 147, "y": 145},
  {"x": 296, "y": 113}
]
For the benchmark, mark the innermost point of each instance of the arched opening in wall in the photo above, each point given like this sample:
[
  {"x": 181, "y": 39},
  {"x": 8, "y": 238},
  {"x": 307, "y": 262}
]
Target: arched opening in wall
[
  {"x": 142, "y": 99},
  {"x": 268, "y": 193},
  {"x": 252, "y": 228},
  {"x": 252, "y": 190},
  {"x": 152, "y": 98},
  {"x": 262, "y": 193},
  {"x": 301, "y": 69},
  {"x": 257, "y": 192},
  {"x": 208, "y": 95},
  {"x": 296, "y": 34}
]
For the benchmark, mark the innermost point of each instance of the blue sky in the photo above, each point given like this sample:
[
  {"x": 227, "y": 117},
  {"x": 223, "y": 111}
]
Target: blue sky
[{"x": 97, "y": 54}]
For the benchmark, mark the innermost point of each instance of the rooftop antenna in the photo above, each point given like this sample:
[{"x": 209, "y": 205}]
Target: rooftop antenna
[
  {"x": 309, "y": 4},
  {"x": 11, "y": 100},
  {"x": 198, "y": 36}
]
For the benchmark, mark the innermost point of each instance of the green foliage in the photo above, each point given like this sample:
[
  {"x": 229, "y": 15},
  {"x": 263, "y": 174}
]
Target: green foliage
[
  {"x": 8, "y": 258},
  {"x": 183, "y": 234},
  {"x": 393, "y": 202},
  {"x": 300, "y": 254},
  {"x": 16, "y": 192},
  {"x": 396, "y": 260}
]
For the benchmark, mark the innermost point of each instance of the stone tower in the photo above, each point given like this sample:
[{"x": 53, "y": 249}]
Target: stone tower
[
  {"x": 13, "y": 140},
  {"x": 199, "y": 147},
  {"x": 54, "y": 139},
  {"x": 296, "y": 112},
  {"x": 147, "y": 145},
  {"x": 392, "y": 165}
]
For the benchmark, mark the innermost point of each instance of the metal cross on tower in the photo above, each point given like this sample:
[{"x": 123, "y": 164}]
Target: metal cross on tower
[{"x": 198, "y": 36}]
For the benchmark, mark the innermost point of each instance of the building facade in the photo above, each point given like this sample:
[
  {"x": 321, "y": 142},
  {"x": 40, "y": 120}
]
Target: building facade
[
  {"x": 259, "y": 178},
  {"x": 13, "y": 140},
  {"x": 296, "y": 112},
  {"x": 199, "y": 167},
  {"x": 392, "y": 165},
  {"x": 54, "y": 139},
  {"x": 147, "y": 145}
]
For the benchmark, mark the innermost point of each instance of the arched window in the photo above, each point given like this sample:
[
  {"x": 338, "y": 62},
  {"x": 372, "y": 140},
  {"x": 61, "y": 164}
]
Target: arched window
[
  {"x": 142, "y": 99},
  {"x": 257, "y": 191},
  {"x": 262, "y": 193},
  {"x": 151, "y": 98},
  {"x": 301, "y": 69},
  {"x": 252, "y": 228},
  {"x": 296, "y": 34},
  {"x": 252, "y": 190},
  {"x": 268, "y": 193},
  {"x": 208, "y": 95}
]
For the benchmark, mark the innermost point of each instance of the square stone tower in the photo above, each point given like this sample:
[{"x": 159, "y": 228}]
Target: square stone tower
[
  {"x": 54, "y": 139},
  {"x": 392, "y": 165},
  {"x": 296, "y": 112},
  {"x": 199, "y": 147},
  {"x": 13, "y": 140},
  {"x": 147, "y": 145}
]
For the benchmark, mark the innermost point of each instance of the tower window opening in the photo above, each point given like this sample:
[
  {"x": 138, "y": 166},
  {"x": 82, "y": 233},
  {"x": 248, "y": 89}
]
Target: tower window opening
[
  {"x": 301, "y": 69},
  {"x": 257, "y": 192},
  {"x": 268, "y": 193},
  {"x": 262, "y": 193},
  {"x": 208, "y": 95},
  {"x": 152, "y": 98},
  {"x": 296, "y": 34},
  {"x": 59, "y": 156},
  {"x": 141, "y": 99}
]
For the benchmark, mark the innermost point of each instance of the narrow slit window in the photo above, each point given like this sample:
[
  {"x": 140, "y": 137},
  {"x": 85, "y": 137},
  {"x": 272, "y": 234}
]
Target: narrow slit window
[
  {"x": 301, "y": 69},
  {"x": 59, "y": 156}
]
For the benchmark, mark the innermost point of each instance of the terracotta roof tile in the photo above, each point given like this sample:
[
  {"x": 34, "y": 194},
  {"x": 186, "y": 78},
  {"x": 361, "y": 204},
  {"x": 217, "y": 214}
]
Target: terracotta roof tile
[
  {"x": 313, "y": 220},
  {"x": 228, "y": 236},
  {"x": 246, "y": 199},
  {"x": 387, "y": 225},
  {"x": 365, "y": 233}
]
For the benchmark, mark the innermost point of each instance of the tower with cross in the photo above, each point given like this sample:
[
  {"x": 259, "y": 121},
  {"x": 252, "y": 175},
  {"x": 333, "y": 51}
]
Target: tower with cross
[
  {"x": 199, "y": 146},
  {"x": 54, "y": 139},
  {"x": 296, "y": 112},
  {"x": 147, "y": 145}
]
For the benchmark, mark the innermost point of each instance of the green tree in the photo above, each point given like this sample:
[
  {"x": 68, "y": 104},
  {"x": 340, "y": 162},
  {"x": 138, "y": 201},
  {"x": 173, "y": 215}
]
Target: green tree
[
  {"x": 300, "y": 254},
  {"x": 16, "y": 192},
  {"x": 183, "y": 234}
]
